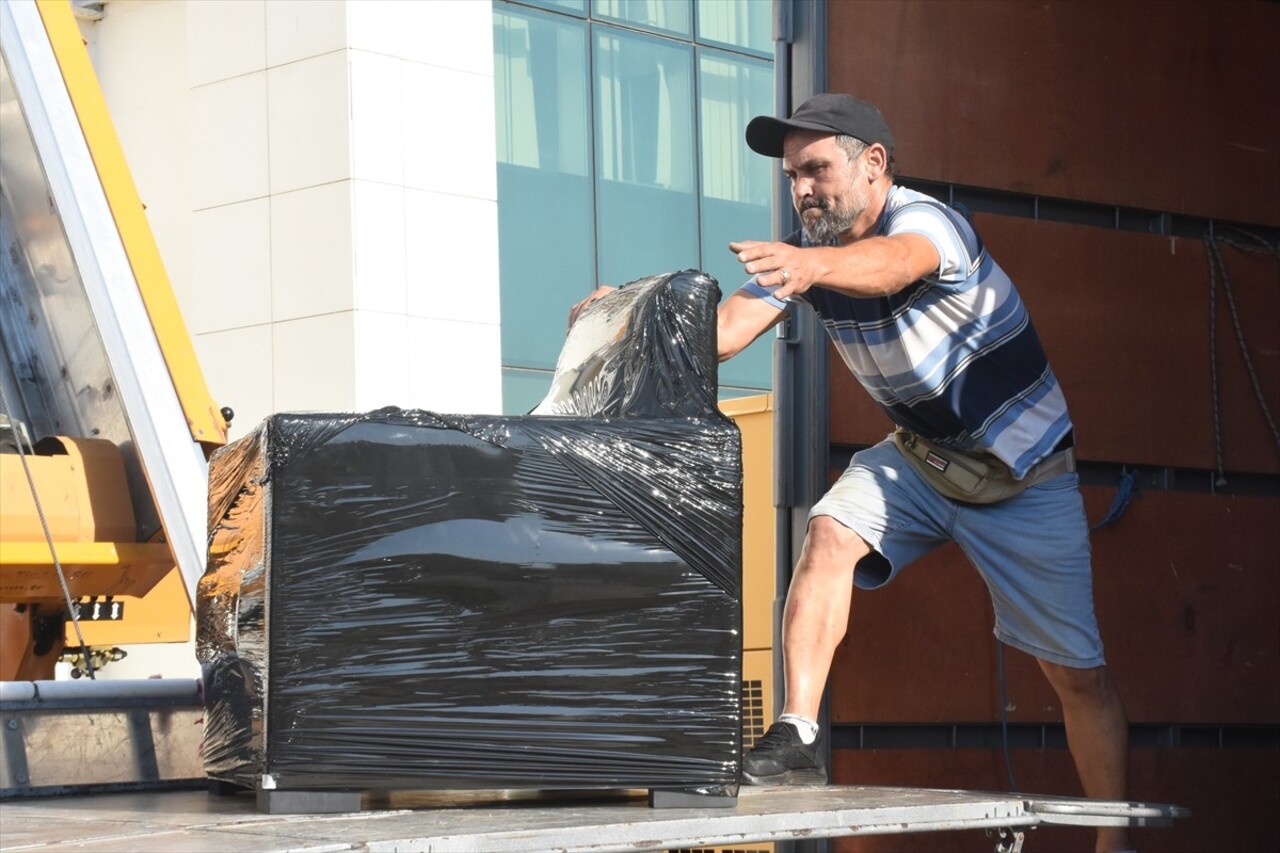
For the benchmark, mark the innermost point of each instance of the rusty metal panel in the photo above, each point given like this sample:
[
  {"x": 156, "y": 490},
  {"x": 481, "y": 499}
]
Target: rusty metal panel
[
  {"x": 1186, "y": 591},
  {"x": 919, "y": 650},
  {"x": 1125, "y": 320},
  {"x": 855, "y": 419},
  {"x": 1166, "y": 106},
  {"x": 1233, "y": 795}
]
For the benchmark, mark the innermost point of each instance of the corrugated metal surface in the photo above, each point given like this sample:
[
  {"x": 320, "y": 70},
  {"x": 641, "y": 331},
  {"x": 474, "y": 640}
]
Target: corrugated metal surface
[{"x": 1167, "y": 106}]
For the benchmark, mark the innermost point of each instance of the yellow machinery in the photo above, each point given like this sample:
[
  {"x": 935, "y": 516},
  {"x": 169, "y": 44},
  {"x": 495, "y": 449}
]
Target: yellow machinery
[
  {"x": 105, "y": 419},
  {"x": 754, "y": 417}
]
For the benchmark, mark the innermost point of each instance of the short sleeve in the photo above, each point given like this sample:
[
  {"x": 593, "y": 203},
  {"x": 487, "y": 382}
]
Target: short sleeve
[
  {"x": 759, "y": 291},
  {"x": 957, "y": 243}
]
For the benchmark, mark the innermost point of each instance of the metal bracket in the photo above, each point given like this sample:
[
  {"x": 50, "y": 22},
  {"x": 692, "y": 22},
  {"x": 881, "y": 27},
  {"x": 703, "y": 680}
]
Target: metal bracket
[{"x": 1009, "y": 840}]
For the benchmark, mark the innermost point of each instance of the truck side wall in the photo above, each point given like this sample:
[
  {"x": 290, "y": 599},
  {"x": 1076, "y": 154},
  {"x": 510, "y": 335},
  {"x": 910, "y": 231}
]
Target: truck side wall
[{"x": 1099, "y": 142}]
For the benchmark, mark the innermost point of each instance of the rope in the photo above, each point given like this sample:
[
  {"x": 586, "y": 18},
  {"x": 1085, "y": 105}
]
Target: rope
[
  {"x": 1216, "y": 265},
  {"x": 1124, "y": 494},
  {"x": 48, "y": 538}
]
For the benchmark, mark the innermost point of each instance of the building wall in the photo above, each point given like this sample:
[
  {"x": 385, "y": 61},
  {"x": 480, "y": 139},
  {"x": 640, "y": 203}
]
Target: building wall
[{"x": 320, "y": 178}]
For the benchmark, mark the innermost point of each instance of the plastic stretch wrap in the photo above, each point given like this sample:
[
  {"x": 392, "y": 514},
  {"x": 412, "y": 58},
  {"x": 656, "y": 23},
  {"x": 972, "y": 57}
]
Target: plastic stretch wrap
[
  {"x": 404, "y": 599},
  {"x": 648, "y": 348}
]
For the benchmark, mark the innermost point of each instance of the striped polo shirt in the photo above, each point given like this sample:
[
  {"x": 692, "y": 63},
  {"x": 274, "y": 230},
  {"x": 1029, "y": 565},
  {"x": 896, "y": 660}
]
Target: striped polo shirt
[{"x": 953, "y": 356}]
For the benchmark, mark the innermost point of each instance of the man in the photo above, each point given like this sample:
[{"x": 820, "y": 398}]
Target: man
[{"x": 936, "y": 333}]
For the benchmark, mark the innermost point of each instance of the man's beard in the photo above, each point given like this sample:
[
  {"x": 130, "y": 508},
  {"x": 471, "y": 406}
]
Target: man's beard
[
  {"x": 838, "y": 218},
  {"x": 828, "y": 227}
]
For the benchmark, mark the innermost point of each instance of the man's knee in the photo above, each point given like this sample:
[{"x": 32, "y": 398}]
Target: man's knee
[
  {"x": 1085, "y": 683},
  {"x": 827, "y": 540}
]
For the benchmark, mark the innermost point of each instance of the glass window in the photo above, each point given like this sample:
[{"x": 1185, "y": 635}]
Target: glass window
[
  {"x": 741, "y": 23},
  {"x": 545, "y": 215},
  {"x": 618, "y": 157},
  {"x": 523, "y": 389},
  {"x": 645, "y": 158},
  {"x": 736, "y": 184},
  {"x": 578, "y": 7},
  {"x": 671, "y": 16}
]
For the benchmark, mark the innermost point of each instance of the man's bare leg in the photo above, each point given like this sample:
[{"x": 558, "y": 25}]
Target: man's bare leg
[
  {"x": 817, "y": 611},
  {"x": 814, "y": 621},
  {"x": 1098, "y": 737}
]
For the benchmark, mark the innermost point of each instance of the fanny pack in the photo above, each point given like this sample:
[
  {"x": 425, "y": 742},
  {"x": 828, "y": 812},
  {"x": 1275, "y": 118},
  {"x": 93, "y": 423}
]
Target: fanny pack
[{"x": 975, "y": 479}]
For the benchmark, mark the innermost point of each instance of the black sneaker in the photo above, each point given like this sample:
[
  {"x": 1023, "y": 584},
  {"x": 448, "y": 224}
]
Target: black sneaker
[{"x": 781, "y": 758}]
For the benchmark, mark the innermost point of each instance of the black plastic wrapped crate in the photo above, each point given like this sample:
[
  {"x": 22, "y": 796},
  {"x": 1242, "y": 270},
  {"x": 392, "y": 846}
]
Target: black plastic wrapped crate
[{"x": 405, "y": 600}]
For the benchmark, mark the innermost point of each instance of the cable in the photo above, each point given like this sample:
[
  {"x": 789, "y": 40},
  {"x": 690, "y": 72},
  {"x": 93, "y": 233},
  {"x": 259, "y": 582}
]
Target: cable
[
  {"x": 48, "y": 538},
  {"x": 1004, "y": 719},
  {"x": 1216, "y": 265},
  {"x": 1221, "y": 479},
  {"x": 1124, "y": 494}
]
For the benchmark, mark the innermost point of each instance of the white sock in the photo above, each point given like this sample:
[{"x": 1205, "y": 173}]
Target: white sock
[{"x": 807, "y": 728}]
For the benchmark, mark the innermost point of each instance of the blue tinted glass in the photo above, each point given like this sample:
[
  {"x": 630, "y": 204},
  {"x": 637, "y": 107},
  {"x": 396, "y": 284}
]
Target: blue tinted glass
[
  {"x": 670, "y": 16},
  {"x": 546, "y": 235},
  {"x": 736, "y": 186},
  {"x": 743, "y": 23},
  {"x": 647, "y": 216},
  {"x": 576, "y": 6},
  {"x": 524, "y": 389}
]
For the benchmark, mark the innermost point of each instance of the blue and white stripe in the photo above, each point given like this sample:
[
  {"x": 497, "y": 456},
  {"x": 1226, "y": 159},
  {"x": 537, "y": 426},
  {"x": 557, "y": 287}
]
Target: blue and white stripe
[{"x": 953, "y": 356}]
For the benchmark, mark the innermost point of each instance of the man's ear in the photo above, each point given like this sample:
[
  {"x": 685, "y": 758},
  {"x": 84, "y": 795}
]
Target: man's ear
[{"x": 877, "y": 161}]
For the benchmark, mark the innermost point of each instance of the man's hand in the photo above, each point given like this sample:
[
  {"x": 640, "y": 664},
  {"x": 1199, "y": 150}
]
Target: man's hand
[
  {"x": 792, "y": 268},
  {"x": 592, "y": 297},
  {"x": 872, "y": 266}
]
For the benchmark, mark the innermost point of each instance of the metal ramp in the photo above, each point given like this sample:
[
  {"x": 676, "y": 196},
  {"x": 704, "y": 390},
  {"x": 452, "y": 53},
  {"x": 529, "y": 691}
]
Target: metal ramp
[{"x": 195, "y": 820}]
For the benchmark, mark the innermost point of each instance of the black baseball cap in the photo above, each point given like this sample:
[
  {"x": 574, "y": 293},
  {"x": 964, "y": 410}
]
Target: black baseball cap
[{"x": 829, "y": 113}]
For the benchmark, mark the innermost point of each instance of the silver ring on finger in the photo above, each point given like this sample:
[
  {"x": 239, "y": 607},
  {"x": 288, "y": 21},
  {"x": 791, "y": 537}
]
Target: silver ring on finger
[{"x": 786, "y": 275}]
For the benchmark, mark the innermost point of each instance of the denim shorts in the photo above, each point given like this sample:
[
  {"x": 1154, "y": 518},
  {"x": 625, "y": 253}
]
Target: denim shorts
[{"x": 1032, "y": 549}]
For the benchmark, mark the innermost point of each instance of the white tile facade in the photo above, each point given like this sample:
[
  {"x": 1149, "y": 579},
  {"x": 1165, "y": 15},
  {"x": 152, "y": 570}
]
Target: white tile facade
[
  {"x": 377, "y": 125},
  {"x": 309, "y": 122},
  {"x": 313, "y": 363},
  {"x": 382, "y": 363},
  {"x": 311, "y": 261},
  {"x": 229, "y": 142},
  {"x": 230, "y": 274},
  {"x": 442, "y": 367},
  {"x": 323, "y": 173},
  {"x": 378, "y": 220},
  {"x": 233, "y": 363},
  {"x": 448, "y": 141},
  {"x": 451, "y": 285},
  {"x": 301, "y": 29},
  {"x": 225, "y": 39}
]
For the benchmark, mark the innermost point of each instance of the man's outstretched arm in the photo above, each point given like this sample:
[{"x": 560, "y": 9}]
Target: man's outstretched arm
[
  {"x": 740, "y": 320},
  {"x": 874, "y": 266}
]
